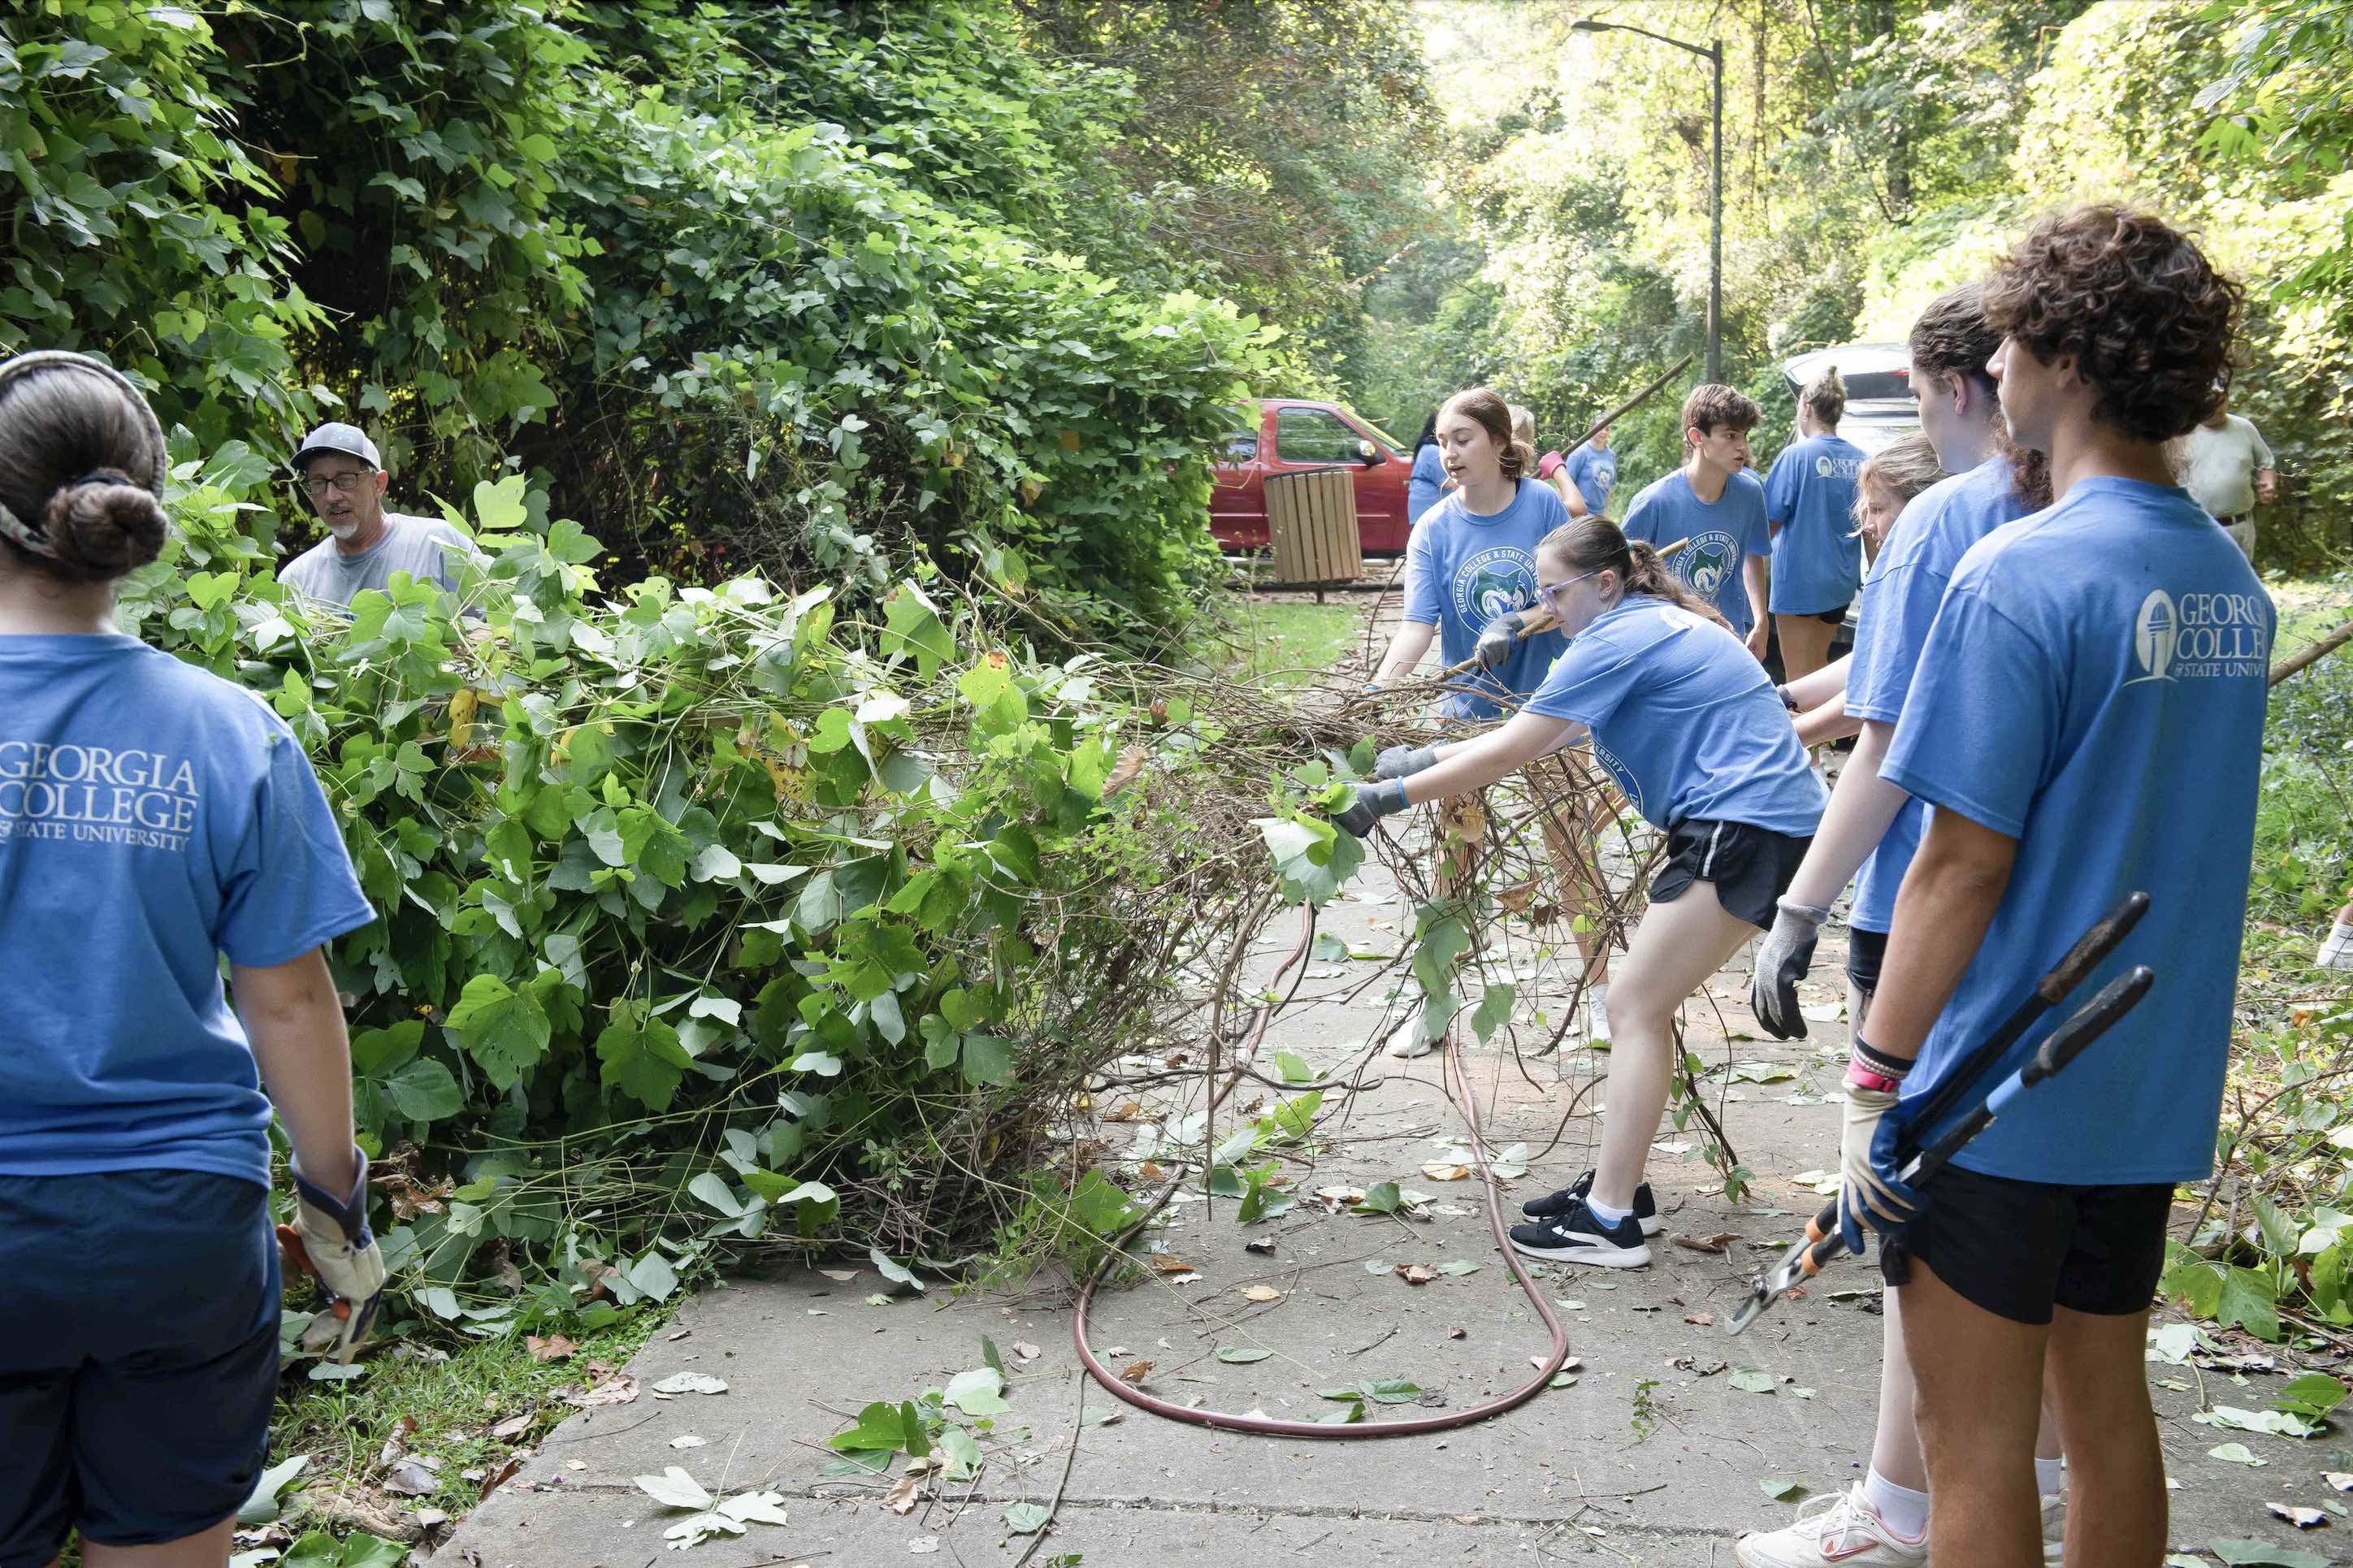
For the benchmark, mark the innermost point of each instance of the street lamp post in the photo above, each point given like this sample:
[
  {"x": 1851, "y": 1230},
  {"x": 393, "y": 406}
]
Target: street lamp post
[{"x": 1713, "y": 54}]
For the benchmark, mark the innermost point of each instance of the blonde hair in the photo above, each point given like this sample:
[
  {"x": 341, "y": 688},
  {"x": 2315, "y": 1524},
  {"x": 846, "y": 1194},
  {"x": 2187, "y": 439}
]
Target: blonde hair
[
  {"x": 1486, "y": 407},
  {"x": 1904, "y": 468},
  {"x": 1523, "y": 425}
]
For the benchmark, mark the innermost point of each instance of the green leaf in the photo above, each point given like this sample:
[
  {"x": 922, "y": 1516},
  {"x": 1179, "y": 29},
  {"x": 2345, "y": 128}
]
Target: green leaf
[
  {"x": 2264, "y": 1554},
  {"x": 1026, "y": 1517},
  {"x": 646, "y": 1062},
  {"x": 879, "y": 1427},
  {"x": 2315, "y": 1394},
  {"x": 1241, "y": 1355},
  {"x": 2247, "y": 1299},
  {"x": 1780, "y": 1489},
  {"x": 424, "y": 1090},
  {"x": 986, "y": 1059},
  {"x": 912, "y": 626},
  {"x": 1381, "y": 1197},
  {"x": 1313, "y": 860},
  {"x": 1494, "y": 1011},
  {"x": 503, "y": 1029},
  {"x": 979, "y": 1391},
  {"x": 895, "y": 1273},
  {"x": 712, "y": 1190},
  {"x": 1753, "y": 1380},
  {"x": 1295, "y": 1068},
  {"x": 262, "y": 1504}
]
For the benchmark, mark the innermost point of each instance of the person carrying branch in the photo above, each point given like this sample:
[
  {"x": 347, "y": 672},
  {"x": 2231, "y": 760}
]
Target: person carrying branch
[
  {"x": 1688, "y": 727},
  {"x": 1809, "y": 507},
  {"x": 2087, "y": 720},
  {"x": 1470, "y": 587},
  {"x": 1715, "y": 505},
  {"x": 153, "y": 819}
]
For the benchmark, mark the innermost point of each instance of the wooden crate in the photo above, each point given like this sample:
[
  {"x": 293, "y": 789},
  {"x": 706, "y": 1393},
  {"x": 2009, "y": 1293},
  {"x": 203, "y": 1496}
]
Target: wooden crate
[{"x": 1310, "y": 519}]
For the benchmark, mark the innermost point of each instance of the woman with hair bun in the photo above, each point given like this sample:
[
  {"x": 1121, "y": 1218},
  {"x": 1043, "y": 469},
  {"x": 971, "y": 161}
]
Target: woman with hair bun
[
  {"x": 1689, "y": 728},
  {"x": 153, "y": 819}
]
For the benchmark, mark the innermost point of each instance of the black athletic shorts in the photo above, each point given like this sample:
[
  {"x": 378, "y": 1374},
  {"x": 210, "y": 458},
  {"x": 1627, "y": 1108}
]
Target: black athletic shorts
[
  {"x": 1751, "y": 866},
  {"x": 1831, "y": 617},
  {"x": 2019, "y": 1248},
  {"x": 1866, "y": 952}
]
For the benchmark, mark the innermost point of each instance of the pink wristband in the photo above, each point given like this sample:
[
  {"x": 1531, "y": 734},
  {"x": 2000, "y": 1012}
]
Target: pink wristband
[{"x": 1860, "y": 1077}]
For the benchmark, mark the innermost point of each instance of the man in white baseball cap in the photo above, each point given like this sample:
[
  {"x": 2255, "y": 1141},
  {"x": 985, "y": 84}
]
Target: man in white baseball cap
[{"x": 339, "y": 469}]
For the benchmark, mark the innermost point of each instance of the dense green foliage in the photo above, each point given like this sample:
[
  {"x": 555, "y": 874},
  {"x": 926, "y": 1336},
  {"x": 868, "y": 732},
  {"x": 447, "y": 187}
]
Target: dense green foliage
[
  {"x": 1875, "y": 154},
  {"x": 706, "y": 913},
  {"x": 629, "y": 250}
]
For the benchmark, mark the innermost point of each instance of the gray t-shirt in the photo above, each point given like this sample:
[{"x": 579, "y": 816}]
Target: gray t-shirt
[
  {"x": 2219, "y": 467},
  {"x": 425, "y": 548}
]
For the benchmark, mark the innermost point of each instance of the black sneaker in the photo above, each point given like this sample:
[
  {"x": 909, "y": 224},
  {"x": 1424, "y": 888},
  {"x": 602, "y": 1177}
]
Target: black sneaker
[
  {"x": 1578, "y": 1238},
  {"x": 1552, "y": 1205}
]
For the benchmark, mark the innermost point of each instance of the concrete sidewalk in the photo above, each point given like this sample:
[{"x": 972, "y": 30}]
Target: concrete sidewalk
[{"x": 1652, "y": 1456}]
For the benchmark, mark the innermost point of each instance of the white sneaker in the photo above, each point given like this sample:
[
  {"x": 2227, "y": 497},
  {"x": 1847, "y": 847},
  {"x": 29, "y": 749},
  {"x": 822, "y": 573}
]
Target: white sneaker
[
  {"x": 1411, "y": 1039},
  {"x": 1596, "y": 1023},
  {"x": 2054, "y": 1528},
  {"x": 2337, "y": 947},
  {"x": 1844, "y": 1530}
]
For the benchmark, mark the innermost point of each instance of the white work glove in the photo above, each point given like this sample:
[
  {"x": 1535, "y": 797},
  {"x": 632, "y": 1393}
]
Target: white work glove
[
  {"x": 1783, "y": 959},
  {"x": 1868, "y": 1193},
  {"x": 332, "y": 1244}
]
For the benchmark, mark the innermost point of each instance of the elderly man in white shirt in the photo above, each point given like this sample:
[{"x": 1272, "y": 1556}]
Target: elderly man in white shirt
[{"x": 2228, "y": 469}]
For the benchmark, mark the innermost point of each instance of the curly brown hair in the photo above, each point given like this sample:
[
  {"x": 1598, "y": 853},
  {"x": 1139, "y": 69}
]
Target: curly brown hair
[
  {"x": 1713, "y": 406},
  {"x": 2150, "y": 321}
]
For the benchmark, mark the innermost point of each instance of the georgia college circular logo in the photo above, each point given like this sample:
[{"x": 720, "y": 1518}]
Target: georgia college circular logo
[
  {"x": 1706, "y": 562},
  {"x": 2154, "y": 630},
  {"x": 1495, "y": 582}
]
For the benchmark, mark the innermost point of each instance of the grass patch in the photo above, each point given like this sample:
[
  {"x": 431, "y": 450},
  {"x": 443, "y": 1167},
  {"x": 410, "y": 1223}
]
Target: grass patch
[
  {"x": 343, "y": 1426},
  {"x": 1287, "y": 644}
]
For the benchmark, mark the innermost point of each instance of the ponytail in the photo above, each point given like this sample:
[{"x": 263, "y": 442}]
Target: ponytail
[
  {"x": 1648, "y": 573},
  {"x": 82, "y": 470},
  {"x": 1596, "y": 543}
]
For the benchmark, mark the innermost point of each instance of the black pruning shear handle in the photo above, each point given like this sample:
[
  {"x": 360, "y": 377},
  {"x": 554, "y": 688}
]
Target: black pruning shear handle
[{"x": 1822, "y": 1245}]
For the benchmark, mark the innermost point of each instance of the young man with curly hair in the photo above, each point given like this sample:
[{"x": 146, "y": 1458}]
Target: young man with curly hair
[
  {"x": 1717, "y": 507},
  {"x": 2086, "y": 719}
]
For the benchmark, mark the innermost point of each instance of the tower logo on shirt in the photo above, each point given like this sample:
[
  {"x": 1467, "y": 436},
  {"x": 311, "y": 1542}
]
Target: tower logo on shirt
[
  {"x": 2199, "y": 636},
  {"x": 1706, "y": 562},
  {"x": 1620, "y": 774},
  {"x": 1493, "y": 583}
]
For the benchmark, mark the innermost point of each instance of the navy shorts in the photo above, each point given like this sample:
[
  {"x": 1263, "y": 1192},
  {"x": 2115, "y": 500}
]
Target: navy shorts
[
  {"x": 1866, "y": 952},
  {"x": 2019, "y": 1248},
  {"x": 138, "y": 1356}
]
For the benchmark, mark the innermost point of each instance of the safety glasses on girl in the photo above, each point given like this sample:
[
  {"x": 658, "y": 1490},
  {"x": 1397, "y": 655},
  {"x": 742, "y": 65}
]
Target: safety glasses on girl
[{"x": 1549, "y": 598}]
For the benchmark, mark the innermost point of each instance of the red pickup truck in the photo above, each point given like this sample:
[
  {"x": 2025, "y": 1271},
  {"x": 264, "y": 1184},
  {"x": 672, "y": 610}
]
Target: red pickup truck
[{"x": 1294, "y": 435}]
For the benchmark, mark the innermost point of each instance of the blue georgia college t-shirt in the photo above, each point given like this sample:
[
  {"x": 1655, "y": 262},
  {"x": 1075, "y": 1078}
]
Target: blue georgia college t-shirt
[
  {"x": 1722, "y": 536},
  {"x": 1684, "y": 719},
  {"x": 1810, "y": 501},
  {"x": 1463, "y": 570},
  {"x": 152, "y": 817},
  {"x": 1594, "y": 471},
  {"x": 1425, "y": 484},
  {"x": 2094, "y": 687},
  {"x": 1899, "y": 605}
]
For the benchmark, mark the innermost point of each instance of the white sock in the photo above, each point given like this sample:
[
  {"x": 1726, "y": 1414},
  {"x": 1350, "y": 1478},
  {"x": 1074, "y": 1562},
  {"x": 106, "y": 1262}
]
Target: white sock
[
  {"x": 1596, "y": 996},
  {"x": 2338, "y": 932},
  {"x": 1900, "y": 1508},
  {"x": 1603, "y": 1213},
  {"x": 2049, "y": 1478}
]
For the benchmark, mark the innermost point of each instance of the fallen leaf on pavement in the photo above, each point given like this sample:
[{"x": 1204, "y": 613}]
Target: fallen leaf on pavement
[
  {"x": 2302, "y": 1517},
  {"x": 1716, "y": 1243},
  {"x": 1263, "y": 1243},
  {"x": 1169, "y": 1263},
  {"x": 1457, "y": 1333},
  {"x": 1134, "y": 1371},
  {"x": 840, "y": 1276},
  {"x": 1261, "y": 1293},
  {"x": 619, "y": 1389},
  {"x": 1416, "y": 1273},
  {"x": 555, "y": 1347},
  {"x": 1126, "y": 1112},
  {"x": 1700, "y": 1319},
  {"x": 1442, "y": 1173},
  {"x": 1026, "y": 1351},
  {"x": 902, "y": 1498},
  {"x": 1705, "y": 1366},
  {"x": 690, "y": 1383}
]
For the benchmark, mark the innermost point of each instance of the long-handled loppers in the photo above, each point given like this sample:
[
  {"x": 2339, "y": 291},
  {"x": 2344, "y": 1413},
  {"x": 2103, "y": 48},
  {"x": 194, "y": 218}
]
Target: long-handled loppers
[{"x": 1821, "y": 1245}]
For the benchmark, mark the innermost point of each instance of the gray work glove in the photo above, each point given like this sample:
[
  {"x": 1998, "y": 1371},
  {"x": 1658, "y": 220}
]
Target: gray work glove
[
  {"x": 1496, "y": 643},
  {"x": 332, "y": 1243},
  {"x": 1370, "y": 804},
  {"x": 1784, "y": 959},
  {"x": 1403, "y": 761}
]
